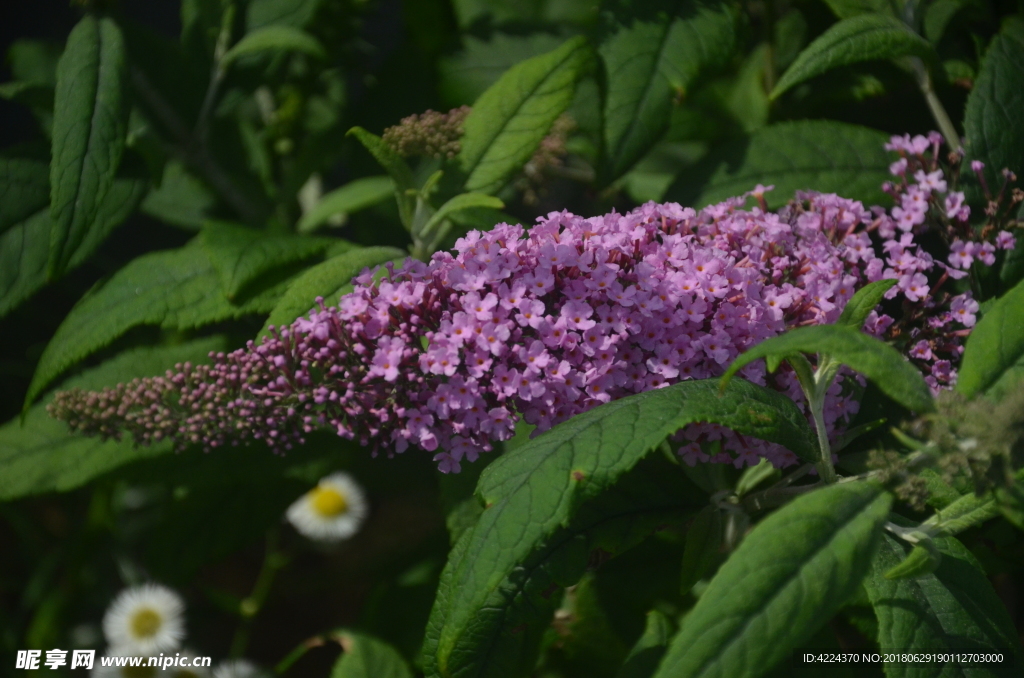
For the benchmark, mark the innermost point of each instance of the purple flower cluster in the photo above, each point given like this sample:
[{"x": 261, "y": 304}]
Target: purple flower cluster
[
  {"x": 932, "y": 327},
  {"x": 545, "y": 323}
]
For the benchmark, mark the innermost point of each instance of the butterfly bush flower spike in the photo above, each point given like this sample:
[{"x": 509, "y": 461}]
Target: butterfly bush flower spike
[{"x": 547, "y": 322}]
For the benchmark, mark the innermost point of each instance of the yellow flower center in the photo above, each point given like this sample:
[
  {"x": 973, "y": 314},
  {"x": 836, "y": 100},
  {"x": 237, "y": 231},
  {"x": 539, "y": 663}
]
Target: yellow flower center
[
  {"x": 146, "y": 622},
  {"x": 327, "y": 501}
]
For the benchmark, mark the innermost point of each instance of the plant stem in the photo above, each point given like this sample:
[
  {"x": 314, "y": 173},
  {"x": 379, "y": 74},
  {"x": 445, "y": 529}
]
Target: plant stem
[
  {"x": 273, "y": 562},
  {"x": 304, "y": 647},
  {"x": 217, "y": 75},
  {"x": 191, "y": 152},
  {"x": 825, "y": 468},
  {"x": 942, "y": 119}
]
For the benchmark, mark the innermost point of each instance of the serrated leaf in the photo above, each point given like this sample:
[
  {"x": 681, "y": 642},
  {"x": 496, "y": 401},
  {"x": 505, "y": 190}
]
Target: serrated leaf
[
  {"x": 844, "y": 9},
  {"x": 364, "y": 656},
  {"x": 1011, "y": 502},
  {"x": 793, "y": 571},
  {"x": 920, "y": 561},
  {"x": 242, "y": 255},
  {"x": 352, "y": 197},
  {"x": 996, "y": 344},
  {"x": 647, "y": 652},
  {"x": 464, "y": 76},
  {"x": 394, "y": 165},
  {"x": 40, "y": 455},
  {"x": 325, "y": 280},
  {"x": 861, "y": 38},
  {"x": 173, "y": 289},
  {"x": 513, "y": 116},
  {"x": 991, "y": 119},
  {"x": 457, "y": 204},
  {"x": 24, "y": 190},
  {"x": 647, "y": 64},
  {"x": 876, "y": 360},
  {"x": 181, "y": 199},
  {"x": 953, "y": 609},
  {"x": 703, "y": 544},
  {"x": 502, "y": 641},
  {"x": 859, "y": 307},
  {"x": 532, "y": 494},
  {"x": 275, "y": 38},
  {"x": 967, "y": 511},
  {"x": 25, "y": 247},
  {"x": 825, "y": 156},
  {"x": 90, "y": 119},
  {"x": 294, "y": 13}
]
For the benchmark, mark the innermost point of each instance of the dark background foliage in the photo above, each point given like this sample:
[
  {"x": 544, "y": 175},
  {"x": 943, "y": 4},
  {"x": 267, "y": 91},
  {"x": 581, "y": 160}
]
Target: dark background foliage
[{"x": 210, "y": 524}]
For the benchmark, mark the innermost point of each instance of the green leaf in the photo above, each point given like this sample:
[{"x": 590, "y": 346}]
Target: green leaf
[
  {"x": 293, "y": 13},
  {"x": 501, "y": 639},
  {"x": 876, "y": 360},
  {"x": 996, "y": 344},
  {"x": 953, "y": 609},
  {"x": 536, "y": 491},
  {"x": 24, "y": 190},
  {"x": 364, "y": 656},
  {"x": 466, "y": 75},
  {"x": 40, "y": 455},
  {"x": 326, "y": 280},
  {"x": 965, "y": 512},
  {"x": 649, "y": 63},
  {"x": 644, "y": 657},
  {"x": 352, "y": 197},
  {"x": 755, "y": 475},
  {"x": 1011, "y": 501},
  {"x": 275, "y": 38},
  {"x": 173, "y": 289},
  {"x": 25, "y": 247},
  {"x": 991, "y": 119},
  {"x": 819, "y": 155},
  {"x": 90, "y": 119},
  {"x": 920, "y": 561},
  {"x": 703, "y": 544},
  {"x": 394, "y": 165},
  {"x": 241, "y": 255},
  {"x": 793, "y": 571},
  {"x": 844, "y": 9},
  {"x": 859, "y": 307},
  {"x": 181, "y": 199},
  {"x": 937, "y": 16},
  {"x": 860, "y": 38},
  {"x": 513, "y": 116},
  {"x": 459, "y": 203},
  {"x": 34, "y": 61}
]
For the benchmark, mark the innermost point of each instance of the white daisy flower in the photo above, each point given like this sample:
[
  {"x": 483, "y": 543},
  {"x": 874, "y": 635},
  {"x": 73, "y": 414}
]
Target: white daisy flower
[
  {"x": 331, "y": 511},
  {"x": 145, "y": 620},
  {"x": 239, "y": 668}
]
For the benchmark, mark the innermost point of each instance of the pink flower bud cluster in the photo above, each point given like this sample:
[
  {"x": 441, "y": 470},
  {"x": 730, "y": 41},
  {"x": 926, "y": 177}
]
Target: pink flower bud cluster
[
  {"x": 430, "y": 133},
  {"x": 545, "y": 323}
]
